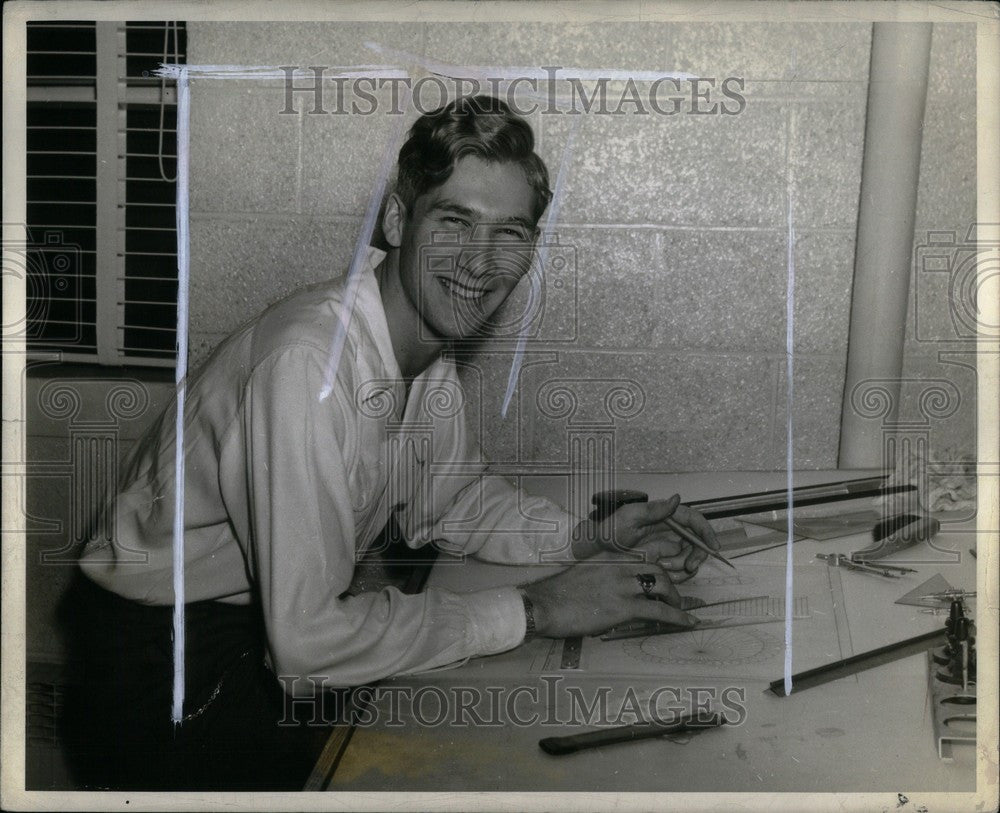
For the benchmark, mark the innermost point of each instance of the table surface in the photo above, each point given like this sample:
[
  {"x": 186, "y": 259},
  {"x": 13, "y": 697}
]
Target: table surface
[{"x": 868, "y": 732}]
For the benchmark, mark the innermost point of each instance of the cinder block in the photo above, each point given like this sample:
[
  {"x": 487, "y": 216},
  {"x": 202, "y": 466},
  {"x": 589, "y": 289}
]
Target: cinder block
[
  {"x": 942, "y": 394},
  {"x": 824, "y": 276},
  {"x": 128, "y": 404},
  {"x": 681, "y": 170},
  {"x": 722, "y": 291},
  {"x": 952, "y": 69},
  {"x": 200, "y": 346},
  {"x": 825, "y": 157},
  {"x": 484, "y": 377},
  {"x": 942, "y": 311},
  {"x": 606, "y": 44},
  {"x": 816, "y": 409},
  {"x": 681, "y": 412},
  {"x": 342, "y": 154},
  {"x": 46, "y": 499},
  {"x": 244, "y": 150},
  {"x": 45, "y": 586},
  {"x": 239, "y": 267},
  {"x": 792, "y": 52},
  {"x": 620, "y": 279},
  {"x": 301, "y": 44},
  {"x": 947, "y": 189}
]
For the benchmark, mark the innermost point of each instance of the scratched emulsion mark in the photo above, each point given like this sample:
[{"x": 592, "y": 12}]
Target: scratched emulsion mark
[
  {"x": 180, "y": 378},
  {"x": 789, "y": 462},
  {"x": 361, "y": 248}
]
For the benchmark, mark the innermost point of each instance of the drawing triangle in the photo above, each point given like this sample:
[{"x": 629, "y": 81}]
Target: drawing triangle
[{"x": 935, "y": 584}]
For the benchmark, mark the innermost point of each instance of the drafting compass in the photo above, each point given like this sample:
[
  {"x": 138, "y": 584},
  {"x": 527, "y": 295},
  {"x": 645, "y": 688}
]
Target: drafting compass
[{"x": 879, "y": 569}]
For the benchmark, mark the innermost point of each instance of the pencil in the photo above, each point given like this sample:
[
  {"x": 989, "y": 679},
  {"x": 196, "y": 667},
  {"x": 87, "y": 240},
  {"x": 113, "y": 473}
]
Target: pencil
[{"x": 684, "y": 533}]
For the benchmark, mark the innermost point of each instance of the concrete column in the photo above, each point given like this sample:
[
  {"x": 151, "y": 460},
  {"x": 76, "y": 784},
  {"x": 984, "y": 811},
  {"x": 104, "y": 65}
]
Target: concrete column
[{"x": 897, "y": 90}]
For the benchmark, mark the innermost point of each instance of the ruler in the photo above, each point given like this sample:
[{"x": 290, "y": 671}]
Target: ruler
[
  {"x": 859, "y": 663},
  {"x": 572, "y": 649}
]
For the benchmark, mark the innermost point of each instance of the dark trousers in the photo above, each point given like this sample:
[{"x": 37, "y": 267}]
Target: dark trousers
[{"x": 238, "y": 732}]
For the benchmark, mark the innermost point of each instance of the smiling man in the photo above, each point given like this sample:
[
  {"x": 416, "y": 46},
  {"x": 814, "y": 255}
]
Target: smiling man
[{"x": 288, "y": 479}]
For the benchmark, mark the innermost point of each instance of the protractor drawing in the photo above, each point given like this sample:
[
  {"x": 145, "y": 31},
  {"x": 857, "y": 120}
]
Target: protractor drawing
[{"x": 713, "y": 647}]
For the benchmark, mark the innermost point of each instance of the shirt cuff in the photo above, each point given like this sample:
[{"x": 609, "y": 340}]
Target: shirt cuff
[{"x": 495, "y": 619}]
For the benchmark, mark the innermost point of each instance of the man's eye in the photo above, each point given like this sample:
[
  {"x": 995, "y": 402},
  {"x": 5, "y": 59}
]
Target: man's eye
[
  {"x": 515, "y": 233},
  {"x": 456, "y": 220}
]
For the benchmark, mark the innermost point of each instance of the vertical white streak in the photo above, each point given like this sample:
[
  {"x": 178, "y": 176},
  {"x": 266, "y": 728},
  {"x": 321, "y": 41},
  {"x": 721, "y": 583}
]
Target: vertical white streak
[
  {"x": 361, "y": 249},
  {"x": 789, "y": 454},
  {"x": 536, "y": 280},
  {"x": 183, "y": 276}
]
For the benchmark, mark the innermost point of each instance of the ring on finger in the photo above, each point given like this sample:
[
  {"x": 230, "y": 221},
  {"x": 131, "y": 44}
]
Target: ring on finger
[{"x": 647, "y": 581}]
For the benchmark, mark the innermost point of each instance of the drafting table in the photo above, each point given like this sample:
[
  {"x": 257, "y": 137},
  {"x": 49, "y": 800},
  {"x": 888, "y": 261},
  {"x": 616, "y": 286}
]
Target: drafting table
[{"x": 868, "y": 732}]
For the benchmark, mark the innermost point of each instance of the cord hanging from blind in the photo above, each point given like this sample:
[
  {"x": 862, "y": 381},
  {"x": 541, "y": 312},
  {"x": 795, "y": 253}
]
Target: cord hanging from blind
[{"x": 167, "y": 28}]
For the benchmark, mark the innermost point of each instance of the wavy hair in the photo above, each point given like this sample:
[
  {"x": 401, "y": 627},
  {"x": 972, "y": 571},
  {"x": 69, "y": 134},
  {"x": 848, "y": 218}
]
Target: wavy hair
[{"x": 482, "y": 126}]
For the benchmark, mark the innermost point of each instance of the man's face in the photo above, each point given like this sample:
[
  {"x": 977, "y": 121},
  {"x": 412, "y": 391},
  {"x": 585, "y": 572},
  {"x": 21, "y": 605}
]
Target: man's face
[{"x": 465, "y": 246}]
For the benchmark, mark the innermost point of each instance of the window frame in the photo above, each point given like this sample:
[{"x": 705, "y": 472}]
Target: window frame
[{"x": 112, "y": 91}]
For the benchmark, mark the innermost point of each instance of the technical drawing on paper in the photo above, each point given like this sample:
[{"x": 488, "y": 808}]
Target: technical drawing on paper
[
  {"x": 713, "y": 647},
  {"x": 743, "y": 636}
]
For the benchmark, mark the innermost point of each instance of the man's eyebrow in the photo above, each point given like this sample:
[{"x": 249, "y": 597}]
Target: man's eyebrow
[{"x": 446, "y": 205}]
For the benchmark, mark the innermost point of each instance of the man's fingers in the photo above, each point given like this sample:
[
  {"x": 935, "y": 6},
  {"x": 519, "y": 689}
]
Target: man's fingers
[
  {"x": 665, "y": 590},
  {"x": 659, "y": 611},
  {"x": 675, "y": 562},
  {"x": 662, "y": 545},
  {"x": 696, "y": 521},
  {"x": 658, "y": 510},
  {"x": 694, "y": 560},
  {"x": 680, "y": 576}
]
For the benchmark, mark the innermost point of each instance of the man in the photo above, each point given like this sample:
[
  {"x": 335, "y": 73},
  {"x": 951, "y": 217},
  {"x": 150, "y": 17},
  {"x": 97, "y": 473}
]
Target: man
[{"x": 290, "y": 474}]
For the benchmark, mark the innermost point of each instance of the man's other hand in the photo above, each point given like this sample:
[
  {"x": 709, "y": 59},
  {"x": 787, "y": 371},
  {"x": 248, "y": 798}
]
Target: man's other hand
[
  {"x": 640, "y": 523},
  {"x": 602, "y": 591}
]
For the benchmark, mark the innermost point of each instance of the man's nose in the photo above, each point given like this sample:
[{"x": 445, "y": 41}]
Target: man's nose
[{"x": 482, "y": 232}]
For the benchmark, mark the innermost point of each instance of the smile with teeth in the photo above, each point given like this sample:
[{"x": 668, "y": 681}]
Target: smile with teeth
[{"x": 461, "y": 291}]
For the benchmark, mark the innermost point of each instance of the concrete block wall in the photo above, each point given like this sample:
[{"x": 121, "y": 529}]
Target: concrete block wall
[
  {"x": 939, "y": 354},
  {"x": 78, "y": 418},
  {"x": 678, "y": 223}
]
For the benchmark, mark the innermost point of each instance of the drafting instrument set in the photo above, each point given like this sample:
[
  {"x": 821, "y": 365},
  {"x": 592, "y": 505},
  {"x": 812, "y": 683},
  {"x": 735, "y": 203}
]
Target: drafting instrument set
[
  {"x": 952, "y": 676},
  {"x": 951, "y": 659}
]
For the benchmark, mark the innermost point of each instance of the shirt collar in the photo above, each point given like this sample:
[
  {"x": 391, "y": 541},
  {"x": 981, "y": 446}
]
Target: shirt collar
[{"x": 369, "y": 302}]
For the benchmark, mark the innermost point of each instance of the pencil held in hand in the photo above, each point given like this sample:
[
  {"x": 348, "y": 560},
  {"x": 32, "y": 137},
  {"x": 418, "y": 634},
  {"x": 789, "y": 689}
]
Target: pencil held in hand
[{"x": 684, "y": 533}]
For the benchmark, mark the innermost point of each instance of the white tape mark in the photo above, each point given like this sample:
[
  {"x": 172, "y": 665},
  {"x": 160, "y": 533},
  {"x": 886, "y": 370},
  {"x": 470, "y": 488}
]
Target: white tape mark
[
  {"x": 275, "y": 72},
  {"x": 361, "y": 250},
  {"x": 180, "y": 377}
]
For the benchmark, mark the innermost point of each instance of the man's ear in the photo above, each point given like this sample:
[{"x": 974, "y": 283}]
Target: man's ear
[{"x": 392, "y": 220}]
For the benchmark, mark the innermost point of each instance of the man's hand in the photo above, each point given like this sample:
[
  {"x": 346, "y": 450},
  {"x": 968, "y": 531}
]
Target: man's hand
[
  {"x": 641, "y": 523},
  {"x": 595, "y": 595}
]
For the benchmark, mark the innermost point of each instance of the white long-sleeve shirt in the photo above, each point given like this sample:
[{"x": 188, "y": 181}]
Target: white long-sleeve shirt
[{"x": 284, "y": 489}]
